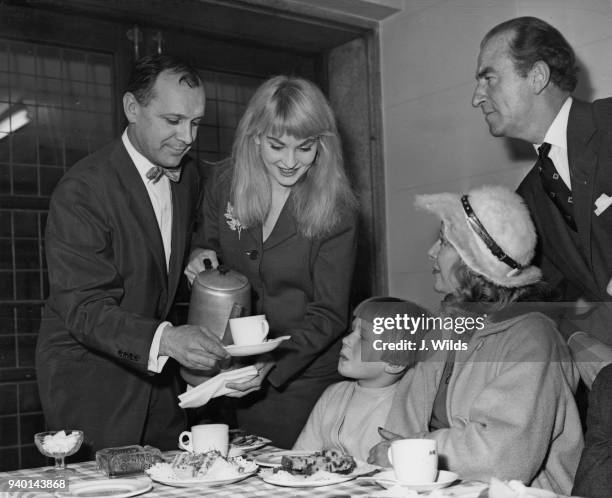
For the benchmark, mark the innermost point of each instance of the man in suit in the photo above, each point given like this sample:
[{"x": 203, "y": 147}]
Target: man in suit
[
  {"x": 526, "y": 73},
  {"x": 118, "y": 232}
]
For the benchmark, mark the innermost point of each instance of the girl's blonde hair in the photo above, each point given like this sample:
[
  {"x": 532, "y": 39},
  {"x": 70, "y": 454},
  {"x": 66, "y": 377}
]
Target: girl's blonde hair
[{"x": 294, "y": 106}]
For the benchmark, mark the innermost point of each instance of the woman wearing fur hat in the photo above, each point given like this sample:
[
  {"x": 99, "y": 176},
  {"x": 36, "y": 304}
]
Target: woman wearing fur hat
[{"x": 504, "y": 405}]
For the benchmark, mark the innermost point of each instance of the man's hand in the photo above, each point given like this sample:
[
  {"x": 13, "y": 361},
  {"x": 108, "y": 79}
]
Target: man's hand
[
  {"x": 378, "y": 454},
  {"x": 609, "y": 288},
  {"x": 196, "y": 262},
  {"x": 193, "y": 347},
  {"x": 254, "y": 384}
]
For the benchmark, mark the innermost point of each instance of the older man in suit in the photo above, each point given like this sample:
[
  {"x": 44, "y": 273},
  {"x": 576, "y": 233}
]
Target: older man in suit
[
  {"x": 526, "y": 73},
  {"x": 117, "y": 235}
]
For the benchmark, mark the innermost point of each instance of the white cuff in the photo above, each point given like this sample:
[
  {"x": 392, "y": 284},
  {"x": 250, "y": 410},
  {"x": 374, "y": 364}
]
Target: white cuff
[{"x": 156, "y": 362}]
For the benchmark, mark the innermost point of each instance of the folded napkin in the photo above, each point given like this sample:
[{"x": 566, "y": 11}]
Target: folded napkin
[
  {"x": 200, "y": 395},
  {"x": 470, "y": 489},
  {"x": 516, "y": 489}
]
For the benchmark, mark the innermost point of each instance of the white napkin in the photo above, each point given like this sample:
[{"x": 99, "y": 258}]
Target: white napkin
[
  {"x": 396, "y": 491},
  {"x": 516, "y": 489},
  {"x": 200, "y": 395}
]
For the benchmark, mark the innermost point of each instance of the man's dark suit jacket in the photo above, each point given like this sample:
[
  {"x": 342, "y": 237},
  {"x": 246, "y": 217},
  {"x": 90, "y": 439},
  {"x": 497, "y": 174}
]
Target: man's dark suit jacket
[
  {"x": 594, "y": 475},
  {"x": 583, "y": 259},
  {"x": 109, "y": 291}
]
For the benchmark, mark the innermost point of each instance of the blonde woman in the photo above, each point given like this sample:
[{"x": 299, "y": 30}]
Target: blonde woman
[{"x": 282, "y": 212}]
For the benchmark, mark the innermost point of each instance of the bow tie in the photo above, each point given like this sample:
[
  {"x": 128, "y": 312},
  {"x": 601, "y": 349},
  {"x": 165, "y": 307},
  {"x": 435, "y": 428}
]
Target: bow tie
[{"x": 156, "y": 172}]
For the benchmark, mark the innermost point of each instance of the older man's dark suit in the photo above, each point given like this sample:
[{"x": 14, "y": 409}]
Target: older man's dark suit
[
  {"x": 594, "y": 475},
  {"x": 583, "y": 258},
  {"x": 109, "y": 291}
]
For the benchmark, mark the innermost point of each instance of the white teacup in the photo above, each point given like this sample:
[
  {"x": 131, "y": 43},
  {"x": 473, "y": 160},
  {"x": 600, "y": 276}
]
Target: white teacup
[
  {"x": 205, "y": 437},
  {"x": 249, "y": 330},
  {"x": 414, "y": 461}
]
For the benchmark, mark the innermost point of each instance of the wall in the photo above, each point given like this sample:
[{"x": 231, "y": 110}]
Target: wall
[{"x": 435, "y": 140}]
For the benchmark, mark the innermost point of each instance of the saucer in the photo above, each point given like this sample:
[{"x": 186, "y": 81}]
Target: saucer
[
  {"x": 111, "y": 488},
  {"x": 252, "y": 349},
  {"x": 387, "y": 480}
]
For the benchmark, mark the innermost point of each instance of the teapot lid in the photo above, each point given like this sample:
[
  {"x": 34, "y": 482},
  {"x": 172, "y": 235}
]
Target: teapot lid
[{"x": 222, "y": 279}]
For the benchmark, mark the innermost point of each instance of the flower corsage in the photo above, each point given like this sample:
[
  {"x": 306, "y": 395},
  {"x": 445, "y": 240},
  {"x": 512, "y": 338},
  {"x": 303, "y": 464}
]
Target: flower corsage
[{"x": 232, "y": 221}]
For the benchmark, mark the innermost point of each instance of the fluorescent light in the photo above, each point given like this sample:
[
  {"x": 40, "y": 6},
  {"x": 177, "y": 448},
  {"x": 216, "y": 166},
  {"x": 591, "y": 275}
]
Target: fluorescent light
[{"x": 12, "y": 123}]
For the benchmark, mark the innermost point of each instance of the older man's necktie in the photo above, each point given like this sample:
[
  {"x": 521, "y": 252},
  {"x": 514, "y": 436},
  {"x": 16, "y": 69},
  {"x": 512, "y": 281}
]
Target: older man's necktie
[
  {"x": 554, "y": 185},
  {"x": 156, "y": 172}
]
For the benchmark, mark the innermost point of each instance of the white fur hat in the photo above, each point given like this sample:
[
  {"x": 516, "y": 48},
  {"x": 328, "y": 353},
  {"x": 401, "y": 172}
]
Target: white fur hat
[{"x": 504, "y": 217}]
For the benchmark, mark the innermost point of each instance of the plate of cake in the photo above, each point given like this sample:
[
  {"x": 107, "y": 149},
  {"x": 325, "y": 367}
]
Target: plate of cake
[
  {"x": 313, "y": 469},
  {"x": 242, "y": 442},
  {"x": 201, "y": 469}
]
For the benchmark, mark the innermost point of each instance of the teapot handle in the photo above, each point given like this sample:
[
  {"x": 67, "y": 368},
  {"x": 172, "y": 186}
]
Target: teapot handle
[{"x": 207, "y": 264}]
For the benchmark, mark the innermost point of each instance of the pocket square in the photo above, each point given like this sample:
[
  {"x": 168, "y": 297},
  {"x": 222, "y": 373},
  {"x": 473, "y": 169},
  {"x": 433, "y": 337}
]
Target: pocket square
[
  {"x": 200, "y": 395},
  {"x": 602, "y": 203}
]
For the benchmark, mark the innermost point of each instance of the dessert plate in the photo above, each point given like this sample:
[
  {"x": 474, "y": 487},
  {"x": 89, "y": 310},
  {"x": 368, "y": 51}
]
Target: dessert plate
[
  {"x": 387, "y": 480},
  {"x": 167, "y": 478},
  {"x": 202, "y": 481},
  {"x": 252, "y": 349},
  {"x": 273, "y": 459},
  {"x": 241, "y": 443},
  {"x": 110, "y": 488},
  {"x": 282, "y": 478}
]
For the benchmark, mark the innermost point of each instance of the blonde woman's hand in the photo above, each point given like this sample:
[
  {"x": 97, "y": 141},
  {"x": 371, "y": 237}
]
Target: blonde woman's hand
[
  {"x": 196, "y": 262},
  {"x": 254, "y": 384}
]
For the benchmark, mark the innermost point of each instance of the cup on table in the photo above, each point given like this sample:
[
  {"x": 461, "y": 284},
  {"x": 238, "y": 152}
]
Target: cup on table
[
  {"x": 414, "y": 461},
  {"x": 205, "y": 437},
  {"x": 249, "y": 330}
]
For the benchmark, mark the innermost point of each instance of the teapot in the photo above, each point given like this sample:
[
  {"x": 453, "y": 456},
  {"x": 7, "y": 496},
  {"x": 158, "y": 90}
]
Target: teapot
[{"x": 218, "y": 295}]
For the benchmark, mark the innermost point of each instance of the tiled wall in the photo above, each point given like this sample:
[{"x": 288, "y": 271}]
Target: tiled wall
[
  {"x": 66, "y": 94},
  {"x": 434, "y": 140}
]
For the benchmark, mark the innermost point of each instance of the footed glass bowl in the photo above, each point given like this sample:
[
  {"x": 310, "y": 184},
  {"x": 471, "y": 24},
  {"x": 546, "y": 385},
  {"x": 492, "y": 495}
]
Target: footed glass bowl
[{"x": 59, "y": 445}]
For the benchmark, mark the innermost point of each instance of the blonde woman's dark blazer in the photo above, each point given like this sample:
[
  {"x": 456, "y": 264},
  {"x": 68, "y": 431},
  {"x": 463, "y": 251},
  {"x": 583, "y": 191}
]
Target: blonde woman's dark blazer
[{"x": 303, "y": 287}]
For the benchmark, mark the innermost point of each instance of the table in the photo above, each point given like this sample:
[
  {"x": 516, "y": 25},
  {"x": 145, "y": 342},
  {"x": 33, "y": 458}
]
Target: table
[{"x": 251, "y": 487}]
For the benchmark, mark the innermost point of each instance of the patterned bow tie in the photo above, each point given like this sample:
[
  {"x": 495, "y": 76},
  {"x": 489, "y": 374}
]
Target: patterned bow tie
[{"x": 156, "y": 172}]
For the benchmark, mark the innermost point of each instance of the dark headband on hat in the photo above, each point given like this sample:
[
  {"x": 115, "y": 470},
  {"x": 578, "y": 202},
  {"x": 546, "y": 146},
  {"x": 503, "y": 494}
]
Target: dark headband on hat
[{"x": 481, "y": 231}]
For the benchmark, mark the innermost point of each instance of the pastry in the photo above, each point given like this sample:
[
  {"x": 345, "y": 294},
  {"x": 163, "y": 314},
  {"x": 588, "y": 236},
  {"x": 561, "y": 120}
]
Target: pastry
[{"x": 326, "y": 460}]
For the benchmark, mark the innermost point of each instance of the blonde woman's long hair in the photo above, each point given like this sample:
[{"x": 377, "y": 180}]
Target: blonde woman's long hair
[{"x": 294, "y": 106}]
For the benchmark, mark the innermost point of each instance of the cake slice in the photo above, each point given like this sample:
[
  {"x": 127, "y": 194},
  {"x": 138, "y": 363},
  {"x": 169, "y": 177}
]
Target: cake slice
[{"x": 327, "y": 460}]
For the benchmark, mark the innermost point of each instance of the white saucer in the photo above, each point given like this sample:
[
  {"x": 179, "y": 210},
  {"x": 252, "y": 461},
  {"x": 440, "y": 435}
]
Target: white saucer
[
  {"x": 252, "y": 349},
  {"x": 387, "y": 480},
  {"x": 283, "y": 478},
  {"x": 110, "y": 488}
]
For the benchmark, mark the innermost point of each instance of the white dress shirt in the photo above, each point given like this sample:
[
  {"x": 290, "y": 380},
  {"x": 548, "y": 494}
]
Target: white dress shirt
[
  {"x": 160, "y": 194},
  {"x": 556, "y": 136}
]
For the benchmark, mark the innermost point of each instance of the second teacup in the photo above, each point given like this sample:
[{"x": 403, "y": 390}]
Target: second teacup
[
  {"x": 249, "y": 330},
  {"x": 414, "y": 461},
  {"x": 205, "y": 437}
]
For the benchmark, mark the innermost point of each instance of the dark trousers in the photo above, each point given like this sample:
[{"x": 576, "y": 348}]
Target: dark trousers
[{"x": 594, "y": 474}]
